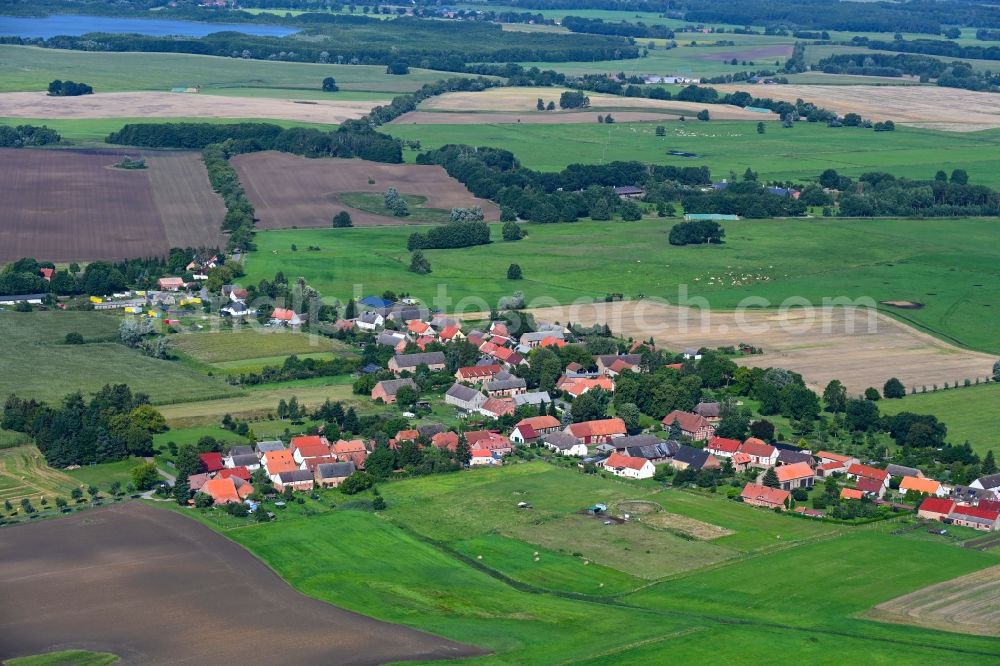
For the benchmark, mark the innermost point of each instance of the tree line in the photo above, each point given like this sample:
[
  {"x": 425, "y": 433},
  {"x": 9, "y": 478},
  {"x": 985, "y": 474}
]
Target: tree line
[
  {"x": 618, "y": 28},
  {"x": 882, "y": 194},
  {"x": 577, "y": 191},
  {"x": 451, "y": 235},
  {"x": 956, "y": 74},
  {"x": 97, "y": 278}
]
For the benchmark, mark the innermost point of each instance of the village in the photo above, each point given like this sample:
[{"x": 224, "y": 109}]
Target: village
[{"x": 501, "y": 418}]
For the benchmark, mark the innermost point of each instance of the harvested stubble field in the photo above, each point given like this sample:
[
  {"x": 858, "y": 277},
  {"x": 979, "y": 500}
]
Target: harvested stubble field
[
  {"x": 860, "y": 348},
  {"x": 969, "y": 604},
  {"x": 291, "y": 191},
  {"x": 948, "y": 109},
  {"x": 73, "y": 205},
  {"x": 153, "y": 586},
  {"x": 536, "y": 118},
  {"x": 521, "y": 100},
  {"x": 167, "y": 105},
  {"x": 24, "y": 473}
]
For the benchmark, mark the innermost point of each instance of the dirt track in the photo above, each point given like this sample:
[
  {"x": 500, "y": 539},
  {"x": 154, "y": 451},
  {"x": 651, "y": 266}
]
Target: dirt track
[
  {"x": 155, "y": 587},
  {"x": 923, "y": 106},
  {"x": 523, "y": 101},
  {"x": 835, "y": 344},
  {"x": 291, "y": 191},
  {"x": 968, "y": 604},
  {"x": 72, "y": 205},
  {"x": 165, "y": 105}
]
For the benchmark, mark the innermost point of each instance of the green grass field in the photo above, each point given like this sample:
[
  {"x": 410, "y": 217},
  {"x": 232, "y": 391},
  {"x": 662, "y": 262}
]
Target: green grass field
[
  {"x": 37, "y": 365},
  {"x": 753, "y": 530},
  {"x": 970, "y": 413},
  {"x": 251, "y": 344},
  {"x": 438, "y": 559},
  {"x": 799, "y": 154},
  {"x": 948, "y": 265},
  {"x": 105, "y": 473},
  {"x": 66, "y": 658},
  {"x": 31, "y": 68},
  {"x": 373, "y": 202},
  {"x": 97, "y": 129}
]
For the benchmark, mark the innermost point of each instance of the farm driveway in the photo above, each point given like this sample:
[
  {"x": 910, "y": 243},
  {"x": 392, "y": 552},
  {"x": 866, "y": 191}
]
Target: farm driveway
[{"x": 158, "y": 588}]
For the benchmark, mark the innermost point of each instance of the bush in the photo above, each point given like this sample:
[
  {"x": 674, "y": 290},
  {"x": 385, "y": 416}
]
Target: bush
[
  {"x": 73, "y": 338},
  {"x": 511, "y": 231},
  {"x": 342, "y": 220},
  {"x": 514, "y": 272},
  {"x": 696, "y": 232}
]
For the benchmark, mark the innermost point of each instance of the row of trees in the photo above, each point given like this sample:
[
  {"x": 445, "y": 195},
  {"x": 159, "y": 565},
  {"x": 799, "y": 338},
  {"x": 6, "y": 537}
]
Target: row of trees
[
  {"x": 114, "y": 425},
  {"x": 956, "y": 74},
  {"x": 577, "y": 191},
  {"x": 451, "y": 235},
  {"x": 882, "y": 194},
  {"x": 354, "y": 138},
  {"x": 599, "y": 26}
]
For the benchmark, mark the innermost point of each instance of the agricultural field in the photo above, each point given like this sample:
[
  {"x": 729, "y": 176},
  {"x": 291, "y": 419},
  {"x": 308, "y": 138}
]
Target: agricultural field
[
  {"x": 967, "y": 604},
  {"x": 443, "y": 544},
  {"x": 90, "y": 131},
  {"x": 948, "y": 109},
  {"x": 260, "y": 401},
  {"x": 697, "y": 61},
  {"x": 174, "y": 583},
  {"x": 179, "y": 105},
  {"x": 798, "y": 154},
  {"x": 24, "y": 68},
  {"x": 945, "y": 266},
  {"x": 38, "y": 365},
  {"x": 24, "y": 473},
  {"x": 75, "y": 206},
  {"x": 520, "y": 104},
  {"x": 291, "y": 191},
  {"x": 970, "y": 413},
  {"x": 860, "y": 347}
]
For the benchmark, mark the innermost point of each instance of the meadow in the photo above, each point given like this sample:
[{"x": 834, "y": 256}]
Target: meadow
[
  {"x": 798, "y": 154},
  {"x": 251, "y": 344},
  {"x": 970, "y": 413},
  {"x": 37, "y": 364},
  {"x": 454, "y": 572},
  {"x": 32, "y": 68},
  {"x": 95, "y": 130},
  {"x": 947, "y": 265}
]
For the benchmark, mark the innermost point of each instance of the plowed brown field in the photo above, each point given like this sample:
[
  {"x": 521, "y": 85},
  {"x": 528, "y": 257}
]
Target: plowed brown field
[
  {"x": 72, "y": 205},
  {"x": 291, "y": 191},
  {"x": 155, "y": 587}
]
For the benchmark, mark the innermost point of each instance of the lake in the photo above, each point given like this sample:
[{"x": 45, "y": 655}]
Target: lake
[{"x": 59, "y": 24}]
